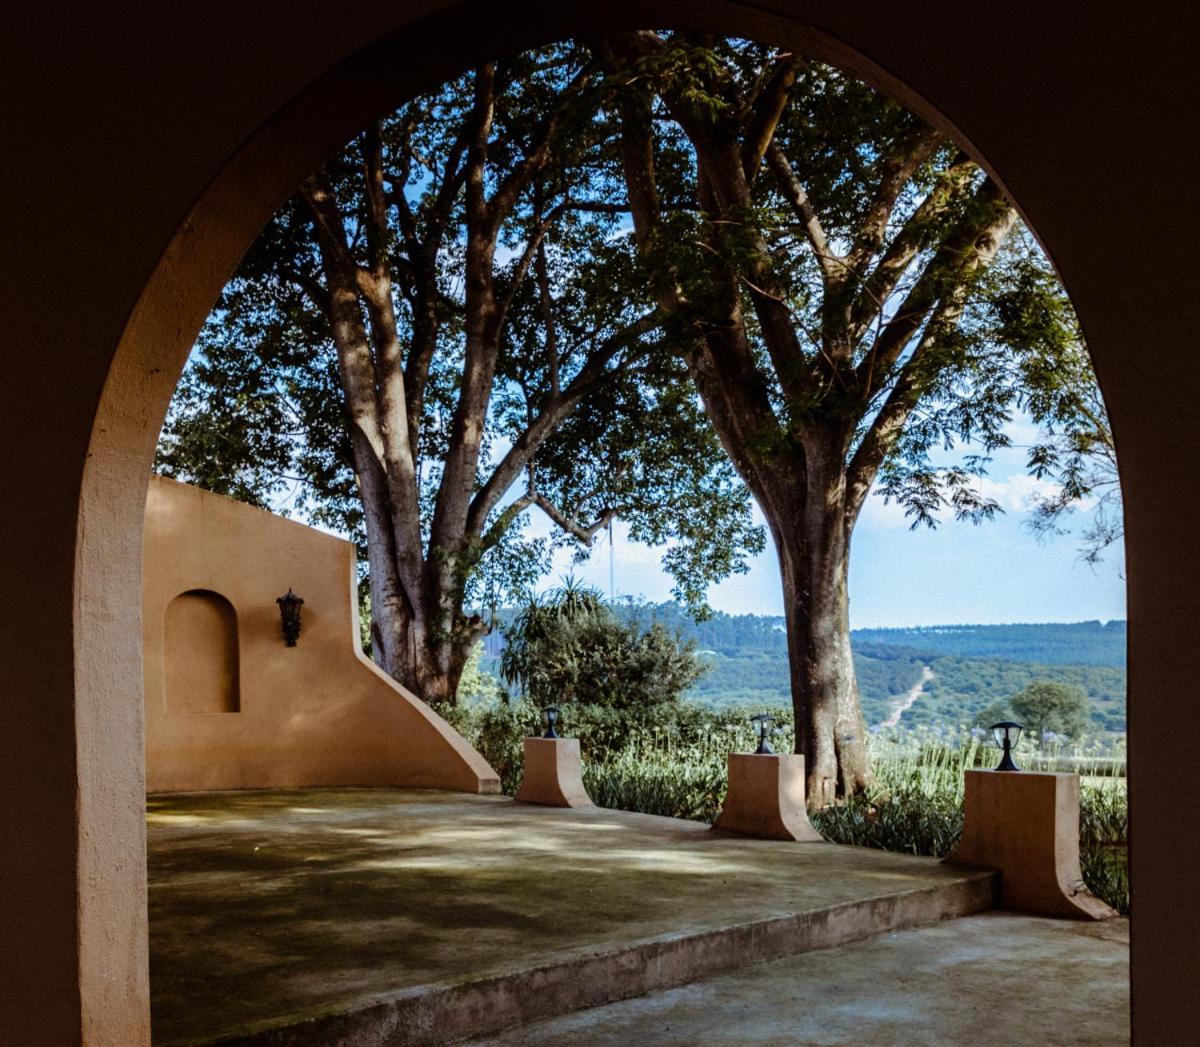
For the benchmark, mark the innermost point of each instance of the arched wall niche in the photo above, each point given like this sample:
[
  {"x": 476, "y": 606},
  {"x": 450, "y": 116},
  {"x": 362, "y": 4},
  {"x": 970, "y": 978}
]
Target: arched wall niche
[
  {"x": 200, "y": 655},
  {"x": 995, "y": 77}
]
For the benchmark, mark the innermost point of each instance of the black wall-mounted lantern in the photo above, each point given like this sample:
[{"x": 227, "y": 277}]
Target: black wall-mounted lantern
[
  {"x": 1007, "y": 734},
  {"x": 762, "y": 724},
  {"x": 551, "y": 715},
  {"x": 289, "y": 613}
]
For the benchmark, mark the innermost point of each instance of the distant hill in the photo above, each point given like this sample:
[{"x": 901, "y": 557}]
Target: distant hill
[
  {"x": 1053, "y": 643},
  {"x": 973, "y": 665}
]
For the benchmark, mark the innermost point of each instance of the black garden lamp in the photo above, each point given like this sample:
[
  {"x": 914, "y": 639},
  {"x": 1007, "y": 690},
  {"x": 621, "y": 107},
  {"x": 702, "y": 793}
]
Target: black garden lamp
[
  {"x": 551, "y": 715},
  {"x": 762, "y": 725},
  {"x": 289, "y": 613},
  {"x": 1007, "y": 734}
]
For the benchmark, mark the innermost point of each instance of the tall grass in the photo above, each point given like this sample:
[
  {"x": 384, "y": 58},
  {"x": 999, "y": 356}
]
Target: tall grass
[{"x": 672, "y": 762}]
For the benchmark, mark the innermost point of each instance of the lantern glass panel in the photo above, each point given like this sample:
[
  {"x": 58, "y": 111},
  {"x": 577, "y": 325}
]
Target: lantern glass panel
[{"x": 762, "y": 727}]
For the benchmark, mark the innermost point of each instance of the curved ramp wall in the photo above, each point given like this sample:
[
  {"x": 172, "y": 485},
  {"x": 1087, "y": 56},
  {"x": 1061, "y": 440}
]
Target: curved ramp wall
[{"x": 317, "y": 714}]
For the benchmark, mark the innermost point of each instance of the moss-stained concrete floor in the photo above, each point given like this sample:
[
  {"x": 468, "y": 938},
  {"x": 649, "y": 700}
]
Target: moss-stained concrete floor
[
  {"x": 269, "y": 907},
  {"x": 982, "y": 981}
]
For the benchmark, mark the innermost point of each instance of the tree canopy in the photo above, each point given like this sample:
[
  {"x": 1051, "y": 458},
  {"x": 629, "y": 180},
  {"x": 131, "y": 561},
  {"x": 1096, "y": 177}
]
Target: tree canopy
[
  {"x": 436, "y": 337},
  {"x": 1061, "y": 708},
  {"x": 854, "y": 298},
  {"x": 647, "y": 275}
]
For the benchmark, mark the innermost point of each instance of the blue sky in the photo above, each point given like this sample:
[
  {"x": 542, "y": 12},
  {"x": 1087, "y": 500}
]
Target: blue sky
[{"x": 990, "y": 573}]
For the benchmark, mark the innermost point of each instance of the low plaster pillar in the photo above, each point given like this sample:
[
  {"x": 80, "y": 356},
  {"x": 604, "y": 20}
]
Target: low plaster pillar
[
  {"x": 1025, "y": 824},
  {"x": 553, "y": 774},
  {"x": 766, "y": 798}
]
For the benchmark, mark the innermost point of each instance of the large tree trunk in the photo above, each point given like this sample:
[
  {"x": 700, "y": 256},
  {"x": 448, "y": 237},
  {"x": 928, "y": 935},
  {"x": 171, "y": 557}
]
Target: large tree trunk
[
  {"x": 813, "y": 545},
  {"x": 432, "y": 667},
  {"x": 426, "y": 659},
  {"x": 415, "y": 636},
  {"x": 831, "y": 731}
]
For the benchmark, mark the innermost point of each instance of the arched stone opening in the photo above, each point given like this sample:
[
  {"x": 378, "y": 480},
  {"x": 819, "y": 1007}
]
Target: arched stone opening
[{"x": 1150, "y": 412}]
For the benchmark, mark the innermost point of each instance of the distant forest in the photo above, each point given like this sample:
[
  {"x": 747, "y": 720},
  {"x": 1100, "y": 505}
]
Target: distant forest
[
  {"x": 974, "y": 666},
  {"x": 1058, "y": 643}
]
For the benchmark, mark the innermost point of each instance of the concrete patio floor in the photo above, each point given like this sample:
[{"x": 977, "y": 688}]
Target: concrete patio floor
[
  {"x": 980, "y": 981},
  {"x": 328, "y": 916}
]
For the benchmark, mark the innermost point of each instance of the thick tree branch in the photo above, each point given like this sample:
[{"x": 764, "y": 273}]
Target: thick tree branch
[
  {"x": 719, "y": 358},
  {"x": 972, "y": 245},
  {"x": 832, "y": 266},
  {"x": 484, "y": 314},
  {"x": 378, "y": 233},
  {"x": 400, "y": 429},
  {"x": 583, "y": 533},
  {"x": 518, "y": 457},
  {"x": 536, "y": 157},
  {"x": 913, "y": 382},
  {"x": 479, "y": 126},
  {"x": 378, "y": 433},
  {"x": 885, "y": 429},
  {"x": 532, "y": 246},
  {"x": 427, "y": 299},
  {"x": 480, "y": 330},
  {"x": 309, "y": 285},
  {"x": 898, "y": 169},
  {"x": 766, "y": 112},
  {"x": 354, "y": 356},
  {"x": 874, "y": 290},
  {"x": 637, "y": 161},
  {"x": 396, "y": 196},
  {"x": 725, "y": 195}
]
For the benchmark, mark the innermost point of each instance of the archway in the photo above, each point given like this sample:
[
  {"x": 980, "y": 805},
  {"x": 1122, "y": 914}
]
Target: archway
[{"x": 110, "y": 925}]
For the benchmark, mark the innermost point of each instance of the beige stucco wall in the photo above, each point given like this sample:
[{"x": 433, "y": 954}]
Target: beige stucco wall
[{"x": 319, "y": 713}]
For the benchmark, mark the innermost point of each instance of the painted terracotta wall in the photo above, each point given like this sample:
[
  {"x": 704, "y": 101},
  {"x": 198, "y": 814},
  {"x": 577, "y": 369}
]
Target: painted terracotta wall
[{"x": 229, "y": 705}]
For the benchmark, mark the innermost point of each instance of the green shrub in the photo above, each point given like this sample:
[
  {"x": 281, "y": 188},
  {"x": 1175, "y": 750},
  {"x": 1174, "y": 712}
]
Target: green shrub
[{"x": 569, "y": 647}]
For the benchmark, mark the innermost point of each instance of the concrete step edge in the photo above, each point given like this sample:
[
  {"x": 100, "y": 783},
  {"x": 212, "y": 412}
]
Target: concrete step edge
[{"x": 440, "y": 1014}]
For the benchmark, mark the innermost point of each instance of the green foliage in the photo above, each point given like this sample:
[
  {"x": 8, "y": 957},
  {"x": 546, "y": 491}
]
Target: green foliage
[
  {"x": 625, "y": 740},
  {"x": 904, "y": 821},
  {"x": 1104, "y": 843},
  {"x": 569, "y": 646},
  {"x": 994, "y": 712},
  {"x": 1045, "y": 706},
  {"x": 476, "y": 685},
  {"x": 986, "y": 343}
]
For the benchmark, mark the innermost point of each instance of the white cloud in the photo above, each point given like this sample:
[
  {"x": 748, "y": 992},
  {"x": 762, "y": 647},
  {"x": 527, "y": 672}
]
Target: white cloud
[
  {"x": 1017, "y": 492},
  {"x": 876, "y": 512}
]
